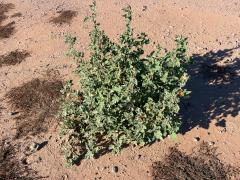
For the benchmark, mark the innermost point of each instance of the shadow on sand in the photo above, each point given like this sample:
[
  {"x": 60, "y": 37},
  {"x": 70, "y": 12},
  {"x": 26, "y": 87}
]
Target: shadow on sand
[{"x": 215, "y": 86}]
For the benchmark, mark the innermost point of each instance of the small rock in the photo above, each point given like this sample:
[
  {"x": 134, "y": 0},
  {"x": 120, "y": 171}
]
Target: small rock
[
  {"x": 64, "y": 177},
  {"x": 39, "y": 159},
  {"x": 144, "y": 8},
  {"x": 197, "y": 139},
  {"x": 211, "y": 143},
  {"x": 223, "y": 130},
  {"x": 115, "y": 169},
  {"x": 13, "y": 113},
  {"x": 23, "y": 160},
  {"x": 100, "y": 168},
  {"x": 34, "y": 147}
]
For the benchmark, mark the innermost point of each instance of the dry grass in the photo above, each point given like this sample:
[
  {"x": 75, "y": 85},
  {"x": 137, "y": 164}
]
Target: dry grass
[
  {"x": 38, "y": 102},
  {"x": 203, "y": 164},
  {"x": 13, "y": 58},
  {"x": 11, "y": 168},
  {"x": 4, "y": 8},
  {"x": 7, "y": 30},
  {"x": 65, "y": 17}
]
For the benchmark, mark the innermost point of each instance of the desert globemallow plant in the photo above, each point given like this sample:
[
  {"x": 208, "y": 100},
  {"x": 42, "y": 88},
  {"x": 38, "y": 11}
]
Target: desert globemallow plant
[{"x": 125, "y": 97}]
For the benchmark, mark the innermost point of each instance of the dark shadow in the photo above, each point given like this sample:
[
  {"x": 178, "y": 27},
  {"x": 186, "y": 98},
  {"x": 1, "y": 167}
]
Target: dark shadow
[
  {"x": 42, "y": 145},
  {"x": 105, "y": 150},
  {"x": 221, "y": 123},
  {"x": 1, "y": 108},
  {"x": 215, "y": 86}
]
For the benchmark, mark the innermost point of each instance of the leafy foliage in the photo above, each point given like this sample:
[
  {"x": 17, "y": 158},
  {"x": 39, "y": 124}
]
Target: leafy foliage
[{"x": 125, "y": 97}]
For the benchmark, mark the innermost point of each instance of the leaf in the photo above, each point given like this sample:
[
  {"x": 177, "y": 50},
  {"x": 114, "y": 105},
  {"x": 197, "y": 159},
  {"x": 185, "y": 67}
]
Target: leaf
[
  {"x": 158, "y": 135},
  {"x": 164, "y": 77},
  {"x": 174, "y": 136}
]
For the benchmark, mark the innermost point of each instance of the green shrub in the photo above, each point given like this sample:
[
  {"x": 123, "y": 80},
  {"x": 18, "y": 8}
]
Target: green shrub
[{"x": 125, "y": 97}]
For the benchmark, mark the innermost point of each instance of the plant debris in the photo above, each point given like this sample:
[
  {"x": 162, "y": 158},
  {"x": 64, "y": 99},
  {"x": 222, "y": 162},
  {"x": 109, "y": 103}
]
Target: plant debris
[
  {"x": 18, "y": 14},
  {"x": 13, "y": 58},
  {"x": 38, "y": 102},
  {"x": 11, "y": 167},
  {"x": 202, "y": 164},
  {"x": 4, "y": 8},
  {"x": 7, "y": 30},
  {"x": 65, "y": 17}
]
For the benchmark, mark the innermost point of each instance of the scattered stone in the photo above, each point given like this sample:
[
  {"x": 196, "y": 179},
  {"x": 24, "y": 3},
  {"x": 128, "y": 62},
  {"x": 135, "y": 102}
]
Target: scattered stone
[
  {"x": 23, "y": 160},
  {"x": 100, "y": 168},
  {"x": 13, "y": 113},
  {"x": 115, "y": 169},
  {"x": 223, "y": 130},
  {"x": 34, "y": 147},
  {"x": 197, "y": 139},
  {"x": 144, "y": 8},
  {"x": 64, "y": 177},
  {"x": 211, "y": 143}
]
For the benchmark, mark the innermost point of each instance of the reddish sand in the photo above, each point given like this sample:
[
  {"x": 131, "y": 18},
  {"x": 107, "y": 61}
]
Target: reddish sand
[{"x": 212, "y": 114}]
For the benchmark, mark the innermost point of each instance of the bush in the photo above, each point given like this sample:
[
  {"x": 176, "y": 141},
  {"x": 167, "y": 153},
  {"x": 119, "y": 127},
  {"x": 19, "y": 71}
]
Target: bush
[{"x": 125, "y": 97}]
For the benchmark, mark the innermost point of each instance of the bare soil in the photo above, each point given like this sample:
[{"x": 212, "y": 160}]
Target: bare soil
[{"x": 29, "y": 86}]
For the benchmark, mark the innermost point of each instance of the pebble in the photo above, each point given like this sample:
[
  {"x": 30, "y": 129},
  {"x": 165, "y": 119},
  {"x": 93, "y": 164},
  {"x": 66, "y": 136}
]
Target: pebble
[
  {"x": 144, "y": 8},
  {"x": 34, "y": 147},
  {"x": 23, "y": 160},
  {"x": 211, "y": 143},
  {"x": 13, "y": 113},
  {"x": 64, "y": 177},
  {"x": 115, "y": 169},
  {"x": 196, "y": 139},
  {"x": 100, "y": 168}
]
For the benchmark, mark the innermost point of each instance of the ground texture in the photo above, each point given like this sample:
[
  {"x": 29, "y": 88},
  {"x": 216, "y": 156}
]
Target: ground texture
[{"x": 33, "y": 67}]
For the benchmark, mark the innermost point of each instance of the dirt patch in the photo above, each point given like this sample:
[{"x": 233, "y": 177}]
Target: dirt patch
[
  {"x": 65, "y": 17},
  {"x": 11, "y": 167},
  {"x": 7, "y": 30},
  {"x": 4, "y": 8},
  {"x": 13, "y": 58},
  {"x": 201, "y": 164},
  {"x": 38, "y": 102},
  {"x": 18, "y": 14}
]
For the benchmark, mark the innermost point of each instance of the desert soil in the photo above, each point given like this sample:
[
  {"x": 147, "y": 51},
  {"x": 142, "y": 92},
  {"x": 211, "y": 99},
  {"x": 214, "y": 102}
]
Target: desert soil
[{"x": 33, "y": 66}]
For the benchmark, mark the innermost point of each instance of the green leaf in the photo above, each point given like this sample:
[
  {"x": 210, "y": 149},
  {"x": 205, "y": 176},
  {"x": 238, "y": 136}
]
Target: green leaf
[
  {"x": 174, "y": 136},
  {"x": 158, "y": 135}
]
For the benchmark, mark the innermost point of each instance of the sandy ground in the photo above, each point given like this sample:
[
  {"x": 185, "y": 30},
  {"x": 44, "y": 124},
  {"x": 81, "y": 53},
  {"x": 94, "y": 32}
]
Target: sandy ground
[{"x": 212, "y": 114}]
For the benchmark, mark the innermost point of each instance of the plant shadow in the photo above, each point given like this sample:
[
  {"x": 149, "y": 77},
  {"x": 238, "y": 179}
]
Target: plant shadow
[{"x": 215, "y": 86}]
